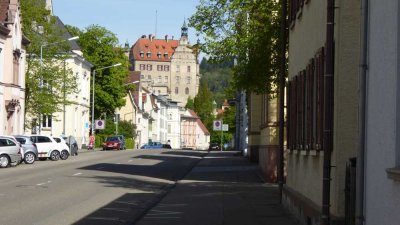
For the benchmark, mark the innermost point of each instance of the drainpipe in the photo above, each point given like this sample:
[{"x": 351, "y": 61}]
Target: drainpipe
[
  {"x": 282, "y": 73},
  {"x": 328, "y": 113},
  {"x": 361, "y": 148}
]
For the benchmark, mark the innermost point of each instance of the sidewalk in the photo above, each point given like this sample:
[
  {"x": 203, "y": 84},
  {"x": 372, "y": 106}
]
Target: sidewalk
[{"x": 222, "y": 189}]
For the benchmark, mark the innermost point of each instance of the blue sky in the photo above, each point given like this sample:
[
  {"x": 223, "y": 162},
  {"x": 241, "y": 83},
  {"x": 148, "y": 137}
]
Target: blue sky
[{"x": 129, "y": 19}]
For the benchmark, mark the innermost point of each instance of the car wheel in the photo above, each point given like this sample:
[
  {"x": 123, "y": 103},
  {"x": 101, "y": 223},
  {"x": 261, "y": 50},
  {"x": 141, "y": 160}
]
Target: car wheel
[
  {"x": 4, "y": 161},
  {"x": 55, "y": 155},
  {"x": 64, "y": 154},
  {"x": 29, "y": 158}
]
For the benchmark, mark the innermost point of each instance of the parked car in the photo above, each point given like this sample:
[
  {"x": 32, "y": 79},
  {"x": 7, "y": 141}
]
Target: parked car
[
  {"x": 113, "y": 143},
  {"x": 156, "y": 145},
  {"x": 29, "y": 151},
  {"x": 72, "y": 144},
  {"x": 10, "y": 152},
  {"x": 48, "y": 147},
  {"x": 122, "y": 138},
  {"x": 63, "y": 147},
  {"x": 214, "y": 147}
]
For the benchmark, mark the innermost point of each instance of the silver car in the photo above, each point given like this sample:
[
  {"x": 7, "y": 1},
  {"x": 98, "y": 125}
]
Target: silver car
[
  {"x": 10, "y": 152},
  {"x": 29, "y": 150}
]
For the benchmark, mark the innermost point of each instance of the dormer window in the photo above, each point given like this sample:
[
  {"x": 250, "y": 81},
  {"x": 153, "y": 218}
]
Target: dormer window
[
  {"x": 141, "y": 54},
  {"x": 159, "y": 55},
  {"x": 165, "y": 55},
  {"x": 148, "y": 54}
]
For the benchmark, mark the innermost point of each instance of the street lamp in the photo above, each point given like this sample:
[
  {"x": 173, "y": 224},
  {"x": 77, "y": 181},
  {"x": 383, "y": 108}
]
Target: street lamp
[
  {"x": 94, "y": 76},
  {"x": 41, "y": 64}
]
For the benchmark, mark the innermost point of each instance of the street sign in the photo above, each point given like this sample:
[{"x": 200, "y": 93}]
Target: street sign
[
  {"x": 225, "y": 127},
  {"x": 100, "y": 124},
  {"x": 217, "y": 125}
]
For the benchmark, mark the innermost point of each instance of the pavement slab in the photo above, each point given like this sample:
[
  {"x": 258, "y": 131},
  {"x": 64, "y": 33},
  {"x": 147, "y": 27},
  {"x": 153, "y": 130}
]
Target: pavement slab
[{"x": 223, "y": 188}]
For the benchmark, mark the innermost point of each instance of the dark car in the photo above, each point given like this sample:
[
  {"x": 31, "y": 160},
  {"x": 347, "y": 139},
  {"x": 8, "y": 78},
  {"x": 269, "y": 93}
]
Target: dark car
[
  {"x": 29, "y": 151},
  {"x": 113, "y": 143},
  {"x": 72, "y": 144},
  {"x": 214, "y": 147}
]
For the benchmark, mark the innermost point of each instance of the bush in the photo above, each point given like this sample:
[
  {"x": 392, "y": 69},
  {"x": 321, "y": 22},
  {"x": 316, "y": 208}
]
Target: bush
[{"x": 130, "y": 143}]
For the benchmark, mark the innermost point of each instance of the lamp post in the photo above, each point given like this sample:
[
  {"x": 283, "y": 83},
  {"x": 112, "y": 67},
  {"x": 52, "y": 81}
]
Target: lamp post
[
  {"x": 41, "y": 64},
  {"x": 94, "y": 77}
]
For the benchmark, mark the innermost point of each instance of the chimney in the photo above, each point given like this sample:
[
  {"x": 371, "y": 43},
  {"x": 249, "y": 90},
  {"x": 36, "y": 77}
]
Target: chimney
[
  {"x": 172, "y": 38},
  {"x": 143, "y": 36},
  {"x": 166, "y": 38},
  {"x": 150, "y": 37}
]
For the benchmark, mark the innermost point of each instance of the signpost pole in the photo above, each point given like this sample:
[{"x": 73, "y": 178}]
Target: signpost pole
[{"x": 222, "y": 133}]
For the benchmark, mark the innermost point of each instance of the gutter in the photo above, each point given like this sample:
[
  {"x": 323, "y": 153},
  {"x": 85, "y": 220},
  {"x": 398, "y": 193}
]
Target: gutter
[
  {"x": 328, "y": 113},
  {"x": 360, "y": 174}
]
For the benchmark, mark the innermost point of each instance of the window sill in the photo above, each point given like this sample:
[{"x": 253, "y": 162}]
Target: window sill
[{"x": 393, "y": 173}]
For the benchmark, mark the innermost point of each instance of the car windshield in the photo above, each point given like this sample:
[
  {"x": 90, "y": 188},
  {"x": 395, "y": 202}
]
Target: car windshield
[
  {"x": 58, "y": 140},
  {"x": 112, "y": 139}
]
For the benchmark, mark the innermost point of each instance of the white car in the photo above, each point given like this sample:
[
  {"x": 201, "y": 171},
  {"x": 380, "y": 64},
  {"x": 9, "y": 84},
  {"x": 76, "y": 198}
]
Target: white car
[
  {"x": 62, "y": 144},
  {"x": 49, "y": 148}
]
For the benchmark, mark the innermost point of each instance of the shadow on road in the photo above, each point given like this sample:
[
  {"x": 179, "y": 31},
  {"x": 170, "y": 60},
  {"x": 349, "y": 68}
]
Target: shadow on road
[
  {"x": 149, "y": 175},
  {"x": 123, "y": 210}
]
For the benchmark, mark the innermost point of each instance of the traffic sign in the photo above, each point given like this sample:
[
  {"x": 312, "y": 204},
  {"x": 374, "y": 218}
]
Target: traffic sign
[
  {"x": 100, "y": 124},
  {"x": 217, "y": 125},
  {"x": 225, "y": 127}
]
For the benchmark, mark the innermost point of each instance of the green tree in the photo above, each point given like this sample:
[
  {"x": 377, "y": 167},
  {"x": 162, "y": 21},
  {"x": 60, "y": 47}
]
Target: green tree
[
  {"x": 190, "y": 103},
  {"x": 100, "y": 46},
  {"x": 47, "y": 82},
  {"x": 247, "y": 31},
  {"x": 203, "y": 105}
]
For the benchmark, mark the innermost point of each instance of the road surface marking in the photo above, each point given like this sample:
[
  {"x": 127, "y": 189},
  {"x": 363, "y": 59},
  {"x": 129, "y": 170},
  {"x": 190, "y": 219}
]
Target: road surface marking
[
  {"x": 77, "y": 174},
  {"x": 130, "y": 160}
]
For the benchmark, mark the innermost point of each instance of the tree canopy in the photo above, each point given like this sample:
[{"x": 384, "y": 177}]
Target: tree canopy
[
  {"x": 47, "y": 78},
  {"x": 203, "y": 105},
  {"x": 100, "y": 47},
  {"x": 244, "y": 30}
]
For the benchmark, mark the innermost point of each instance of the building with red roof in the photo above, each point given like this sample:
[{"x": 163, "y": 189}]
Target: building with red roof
[{"x": 167, "y": 66}]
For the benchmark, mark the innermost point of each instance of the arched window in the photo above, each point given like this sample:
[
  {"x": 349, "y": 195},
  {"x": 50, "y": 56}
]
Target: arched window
[
  {"x": 187, "y": 90},
  {"x": 176, "y": 90}
]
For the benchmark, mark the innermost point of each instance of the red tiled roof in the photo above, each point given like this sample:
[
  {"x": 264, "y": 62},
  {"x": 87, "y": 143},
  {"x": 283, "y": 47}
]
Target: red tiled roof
[
  {"x": 199, "y": 122},
  {"x": 154, "y": 46},
  {"x": 133, "y": 76},
  {"x": 4, "y": 4}
]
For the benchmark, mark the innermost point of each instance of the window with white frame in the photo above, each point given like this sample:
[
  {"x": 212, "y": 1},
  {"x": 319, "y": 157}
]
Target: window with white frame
[
  {"x": 178, "y": 68},
  {"x": 178, "y": 79},
  {"x": 142, "y": 67},
  {"x": 188, "y": 79}
]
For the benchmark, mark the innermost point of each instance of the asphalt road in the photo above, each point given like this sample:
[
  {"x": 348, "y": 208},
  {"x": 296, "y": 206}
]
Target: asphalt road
[{"x": 102, "y": 187}]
